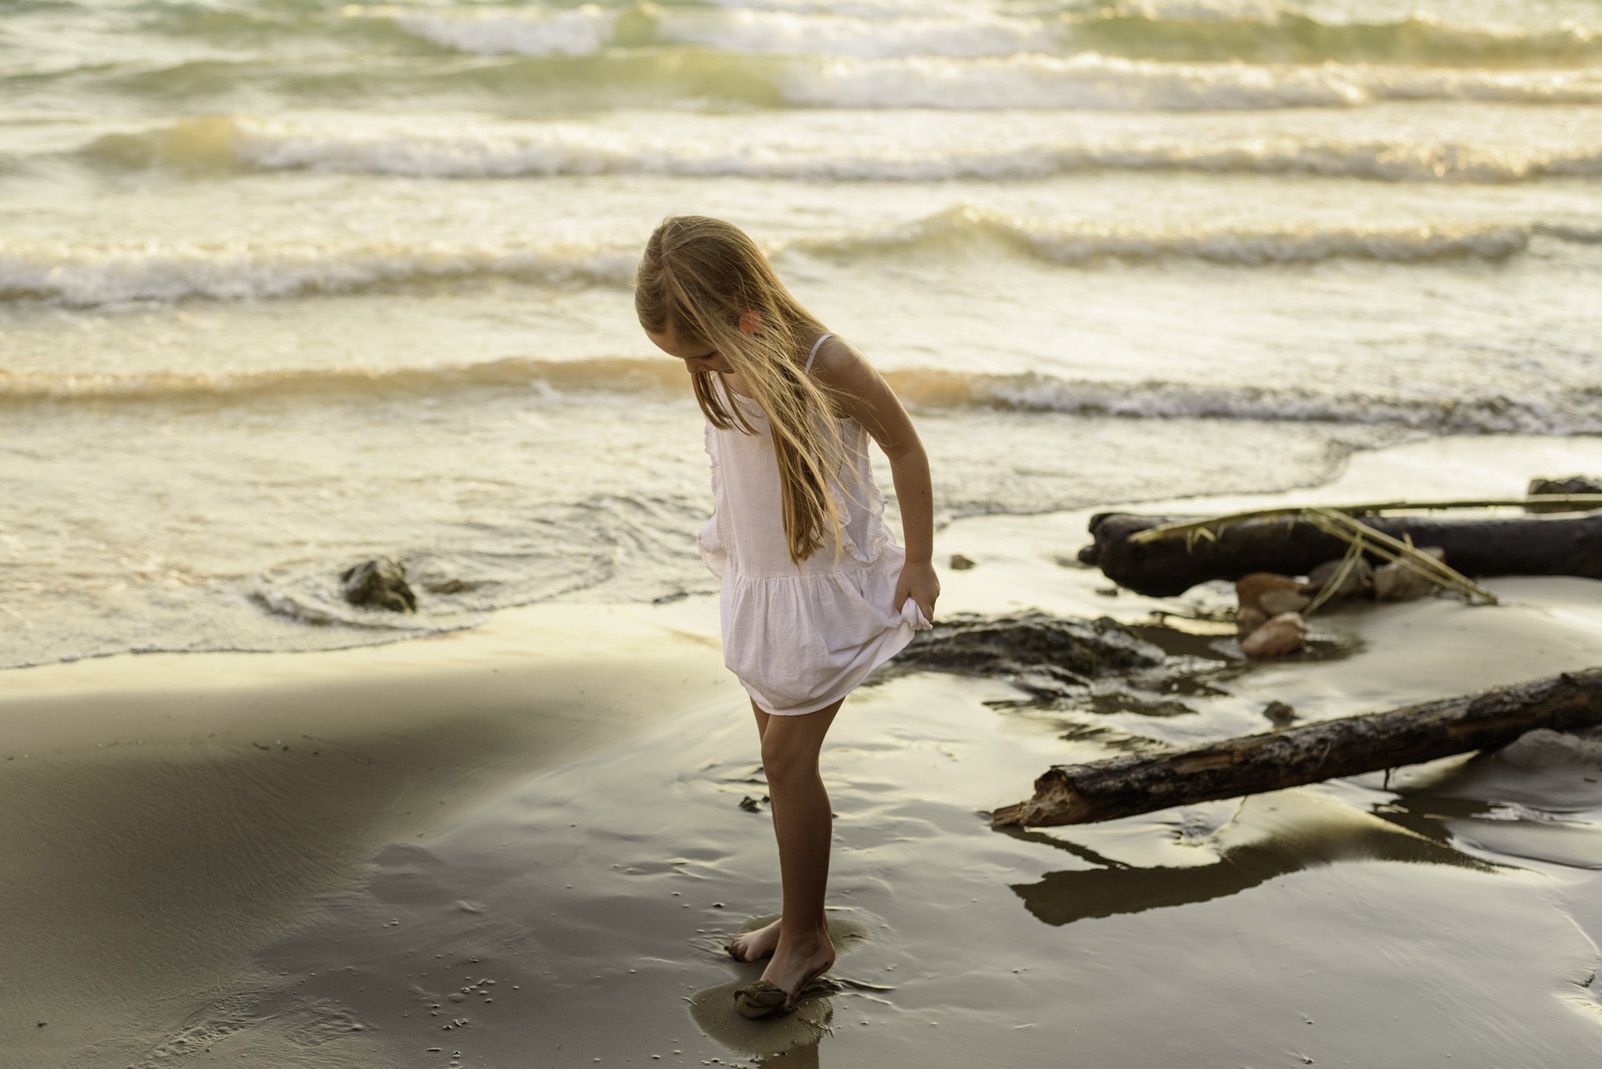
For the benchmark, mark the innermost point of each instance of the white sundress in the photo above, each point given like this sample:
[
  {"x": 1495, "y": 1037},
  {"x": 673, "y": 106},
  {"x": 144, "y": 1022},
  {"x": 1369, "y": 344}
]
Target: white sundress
[{"x": 799, "y": 638}]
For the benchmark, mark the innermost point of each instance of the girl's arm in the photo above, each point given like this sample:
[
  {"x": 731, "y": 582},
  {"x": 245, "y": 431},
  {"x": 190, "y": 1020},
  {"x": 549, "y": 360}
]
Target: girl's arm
[{"x": 867, "y": 398}]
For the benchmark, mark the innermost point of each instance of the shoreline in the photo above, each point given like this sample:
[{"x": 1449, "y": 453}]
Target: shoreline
[
  {"x": 1421, "y": 469},
  {"x": 290, "y": 858}
]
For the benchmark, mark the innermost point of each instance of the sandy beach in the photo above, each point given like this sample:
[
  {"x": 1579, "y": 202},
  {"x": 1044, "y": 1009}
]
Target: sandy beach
[
  {"x": 287, "y": 286},
  {"x": 521, "y": 845}
]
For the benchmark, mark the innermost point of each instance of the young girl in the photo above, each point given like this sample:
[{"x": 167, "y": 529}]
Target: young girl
[{"x": 815, "y": 591}]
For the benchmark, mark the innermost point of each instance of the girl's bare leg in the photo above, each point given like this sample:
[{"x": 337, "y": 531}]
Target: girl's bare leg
[
  {"x": 754, "y": 946},
  {"x": 803, "y": 826}
]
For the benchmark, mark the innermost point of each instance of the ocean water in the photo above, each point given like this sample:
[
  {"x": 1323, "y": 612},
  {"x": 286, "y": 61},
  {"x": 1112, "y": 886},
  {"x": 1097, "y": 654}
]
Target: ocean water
[{"x": 286, "y": 284}]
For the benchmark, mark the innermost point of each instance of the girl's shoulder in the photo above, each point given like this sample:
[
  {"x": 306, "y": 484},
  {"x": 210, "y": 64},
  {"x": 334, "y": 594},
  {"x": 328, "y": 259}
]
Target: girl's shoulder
[
  {"x": 856, "y": 389},
  {"x": 835, "y": 357}
]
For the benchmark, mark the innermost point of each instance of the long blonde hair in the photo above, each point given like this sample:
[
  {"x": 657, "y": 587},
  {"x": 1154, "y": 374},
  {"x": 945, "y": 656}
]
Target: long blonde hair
[{"x": 701, "y": 276}]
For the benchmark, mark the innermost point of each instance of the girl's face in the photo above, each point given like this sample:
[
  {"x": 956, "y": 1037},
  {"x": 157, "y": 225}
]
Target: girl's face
[{"x": 697, "y": 356}]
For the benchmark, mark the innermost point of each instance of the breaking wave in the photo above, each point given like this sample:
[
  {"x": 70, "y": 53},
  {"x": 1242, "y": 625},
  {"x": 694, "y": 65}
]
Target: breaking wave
[
  {"x": 1135, "y": 30},
  {"x": 570, "y": 148},
  {"x": 87, "y": 275},
  {"x": 1566, "y": 412},
  {"x": 84, "y": 275},
  {"x": 1086, "y": 244},
  {"x": 699, "y": 77}
]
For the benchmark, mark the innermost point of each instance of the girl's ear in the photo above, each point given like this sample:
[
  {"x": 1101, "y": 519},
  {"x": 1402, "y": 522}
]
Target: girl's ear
[{"x": 749, "y": 322}]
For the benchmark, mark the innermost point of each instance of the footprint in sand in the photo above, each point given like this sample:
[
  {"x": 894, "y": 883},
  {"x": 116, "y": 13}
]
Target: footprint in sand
[
  {"x": 713, "y": 1008},
  {"x": 713, "y": 1012}
]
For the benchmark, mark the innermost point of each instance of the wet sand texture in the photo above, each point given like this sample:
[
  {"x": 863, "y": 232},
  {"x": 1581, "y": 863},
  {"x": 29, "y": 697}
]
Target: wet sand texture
[{"x": 524, "y": 845}]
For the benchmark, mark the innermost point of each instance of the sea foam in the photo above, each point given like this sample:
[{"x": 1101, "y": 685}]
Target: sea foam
[
  {"x": 435, "y": 149},
  {"x": 81, "y": 274}
]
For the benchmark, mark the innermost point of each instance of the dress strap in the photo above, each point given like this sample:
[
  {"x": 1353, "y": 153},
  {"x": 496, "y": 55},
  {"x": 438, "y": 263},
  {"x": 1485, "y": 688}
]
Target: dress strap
[{"x": 815, "y": 347}]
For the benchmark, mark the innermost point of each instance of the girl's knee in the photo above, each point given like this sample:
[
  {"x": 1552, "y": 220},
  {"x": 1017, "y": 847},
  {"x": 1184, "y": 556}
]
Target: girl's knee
[{"x": 786, "y": 762}]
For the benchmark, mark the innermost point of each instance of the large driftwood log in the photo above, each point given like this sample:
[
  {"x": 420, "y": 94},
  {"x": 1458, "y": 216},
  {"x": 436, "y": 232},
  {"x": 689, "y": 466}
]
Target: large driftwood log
[
  {"x": 1140, "y": 783},
  {"x": 1523, "y": 545}
]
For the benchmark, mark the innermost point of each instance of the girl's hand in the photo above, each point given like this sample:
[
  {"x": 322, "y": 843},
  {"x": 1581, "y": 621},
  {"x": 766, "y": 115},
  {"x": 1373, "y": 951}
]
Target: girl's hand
[{"x": 918, "y": 582}]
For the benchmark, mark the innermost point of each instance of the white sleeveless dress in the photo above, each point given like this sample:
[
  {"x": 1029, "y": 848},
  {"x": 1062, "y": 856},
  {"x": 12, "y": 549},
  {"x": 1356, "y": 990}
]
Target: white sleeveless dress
[{"x": 799, "y": 638}]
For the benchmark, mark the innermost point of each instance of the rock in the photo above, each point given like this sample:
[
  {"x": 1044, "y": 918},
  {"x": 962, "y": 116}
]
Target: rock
[
  {"x": 1396, "y": 582},
  {"x": 1249, "y": 589},
  {"x": 1545, "y": 748},
  {"x": 378, "y": 584},
  {"x": 448, "y": 586},
  {"x": 1279, "y": 712},
  {"x": 749, "y": 804},
  {"x": 1274, "y": 602},
  {"x": 1249, "y": 620},
  {"x": 1285, "y": 633},
  {"x": 1574, "y": 484},
  {"x": 1039, "y": 652},
  {"x": 959, "y": 563},
  {"x": 1359, "y": 581}
]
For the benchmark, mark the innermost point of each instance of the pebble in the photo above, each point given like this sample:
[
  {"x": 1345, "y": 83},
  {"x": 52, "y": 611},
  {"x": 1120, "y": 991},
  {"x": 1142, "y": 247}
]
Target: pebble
[{"x": 1285, "y": 633}]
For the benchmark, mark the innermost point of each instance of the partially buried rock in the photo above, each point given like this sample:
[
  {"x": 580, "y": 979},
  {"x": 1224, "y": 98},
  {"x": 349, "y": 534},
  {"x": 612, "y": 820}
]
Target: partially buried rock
[
  {"x": 1358, "y": 582},
  {"x": 1574, "y": 484},
  {"x": 1250, "y": 589},
  {"x": 1279, "y": 712},
  {"x": 1401, "y": 582},
  {"x": 1040, "y": 653},
  {"x": 959, "y": 563},
  {"x": 1285, "y": 633},
  {"x": 379, "y": 584}
]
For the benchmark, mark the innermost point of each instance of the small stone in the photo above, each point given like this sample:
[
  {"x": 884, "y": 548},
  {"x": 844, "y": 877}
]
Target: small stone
[
  {"x": 749, "y": 804},
  {"x": 1249, "y": 589},
  {"x": 1285, "y": 633},
  {"x": 959, "y": 563},
  {"x": 1359, "y": 580},
  {"x": 379, "y": 583},
  {"x": 1279, "y": 712},
  {"x": 1402, "y": 582}
]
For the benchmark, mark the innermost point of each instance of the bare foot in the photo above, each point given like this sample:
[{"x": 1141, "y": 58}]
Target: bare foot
[
  {"x": 754, "y": 946},
  {"x": 795, "y": 963}
]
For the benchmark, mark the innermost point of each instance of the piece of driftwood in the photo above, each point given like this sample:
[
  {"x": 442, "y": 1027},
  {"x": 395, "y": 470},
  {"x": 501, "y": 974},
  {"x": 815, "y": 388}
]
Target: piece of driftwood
[
  {"x": 1139, "y": 783},
  {"x": 1482, "y": 545}
]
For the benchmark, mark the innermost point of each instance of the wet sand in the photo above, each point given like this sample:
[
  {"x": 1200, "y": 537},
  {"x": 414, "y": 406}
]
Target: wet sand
[{"x": 523, "y": 845}]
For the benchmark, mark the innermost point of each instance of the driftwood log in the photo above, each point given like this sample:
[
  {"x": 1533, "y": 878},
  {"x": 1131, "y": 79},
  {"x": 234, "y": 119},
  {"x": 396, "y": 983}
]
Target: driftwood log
[
  {"x": 1521, "y": 545},
  {"x": 1139, "y": 783}
]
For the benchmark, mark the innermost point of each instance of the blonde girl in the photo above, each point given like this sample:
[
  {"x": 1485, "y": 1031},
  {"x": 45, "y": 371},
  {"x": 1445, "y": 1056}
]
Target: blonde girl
[{"x": 816, "y": 592}]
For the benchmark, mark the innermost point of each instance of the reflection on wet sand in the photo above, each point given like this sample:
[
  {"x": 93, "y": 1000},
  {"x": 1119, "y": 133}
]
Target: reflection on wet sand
[{"x": 1271, "y": 836}]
